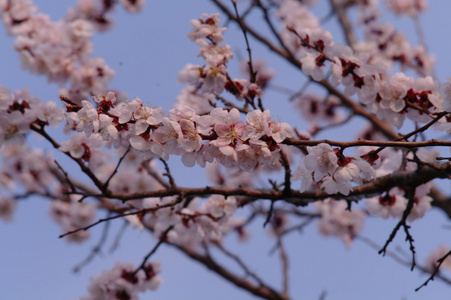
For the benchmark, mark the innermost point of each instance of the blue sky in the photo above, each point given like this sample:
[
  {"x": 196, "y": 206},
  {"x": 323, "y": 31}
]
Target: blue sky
[{"x": 147, "y": 50}]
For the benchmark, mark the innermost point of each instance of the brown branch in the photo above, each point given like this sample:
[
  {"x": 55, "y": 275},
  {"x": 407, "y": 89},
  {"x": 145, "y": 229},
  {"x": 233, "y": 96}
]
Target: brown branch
[
  {"x": 107, "y": 183},
  {"x": 346, "y": 25},
  {"x": 155, "y": 174},
  {"x": 273, "y": 29},
  {"x": 168, "y": 174},
  {"x": 240, "y": 262},
  {"x": 231, "y": 105},
  {"x": 262, "y": 291},
  {"x": 269, "y": 214},
  {"x": 79, "y": 161},
  {"x": 66, "y": 176},
  {"x": 358, "y": 143},
  {"x": 422, "y": 175}
]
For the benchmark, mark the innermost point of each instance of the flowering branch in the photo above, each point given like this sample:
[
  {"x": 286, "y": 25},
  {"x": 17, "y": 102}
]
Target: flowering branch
[{"x": 218, "y": 124}]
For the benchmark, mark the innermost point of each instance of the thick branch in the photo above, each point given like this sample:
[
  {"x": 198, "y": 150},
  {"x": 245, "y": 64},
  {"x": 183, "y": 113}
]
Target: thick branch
[
  {"x": 377, "y": 186},
  {"x": 358, "y": 143},
  {"x": 346, "y": 25}
]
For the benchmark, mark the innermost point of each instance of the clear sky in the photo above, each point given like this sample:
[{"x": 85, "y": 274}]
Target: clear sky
[{"x": 147, "y": 50}]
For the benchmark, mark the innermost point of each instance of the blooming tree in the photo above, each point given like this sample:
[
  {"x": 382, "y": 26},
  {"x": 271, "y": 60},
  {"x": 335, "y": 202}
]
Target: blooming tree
[{"x": 261, "y": 169}]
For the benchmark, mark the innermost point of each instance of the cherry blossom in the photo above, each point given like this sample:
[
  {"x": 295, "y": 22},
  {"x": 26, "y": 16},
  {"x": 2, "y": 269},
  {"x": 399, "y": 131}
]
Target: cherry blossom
[
  {"x": 122, "y": 282},
  {"x": 392, "y": 204}
]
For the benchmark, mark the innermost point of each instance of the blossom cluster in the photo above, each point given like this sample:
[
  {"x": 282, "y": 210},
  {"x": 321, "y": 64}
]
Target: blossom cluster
[
  {"x": 121, "y": 282},
  {"x": 336, "y": 217},
  {"x": 27, "y": 167},
  {"x": 61, "y": 50},
  {"x": 390, "y": 96},
  {"x": 20, "y": 110},
  {"x": 393, "y": 203},
  {"x": 213, "y": 77},
  {"x": 333, "y": 171},
  {"x": 387, "y": 45},
  {"x": 220, "y": 136}
]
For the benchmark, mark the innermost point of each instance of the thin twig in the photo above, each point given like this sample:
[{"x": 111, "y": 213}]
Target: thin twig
[
  {"x": 155, "y": 174},
  {"x": 269, "y": 214},
  {"x": 273, "y": 29},
  {"x": 79, "y": 161},
  {"x": 435, "y": 272},
  {"x": 119, "y": 235},
  {"x": 240, "y": 262},
  {"x": 398, "y": 259},
  {"x": 403, "y": 223},
  {"x": 230, "y": 105},
  {"x": 253, "y": 77},
  {"x": 154, "y": 249},
  {"x": 121, "y": 215},
  {"x": 168, "y": 174},
  {"x": 96, "y": 250},
  {"x": 298, "y": 227},
  {"x": 105, "y": 186},
  {"x": 262, "y": 291},
  {"x": 66, "y": 176}
]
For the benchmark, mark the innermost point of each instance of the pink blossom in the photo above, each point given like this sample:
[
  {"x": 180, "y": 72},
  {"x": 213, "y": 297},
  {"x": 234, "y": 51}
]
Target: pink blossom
[
  {"x": 169, "y": 135},
  {"x": 207, "y": 27},
  {"x": 121, "y": 281},
  {"x": 219, "y": 206},
  {"x": 392, "y": 204},
  {"x": 87, "y": 118}
]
